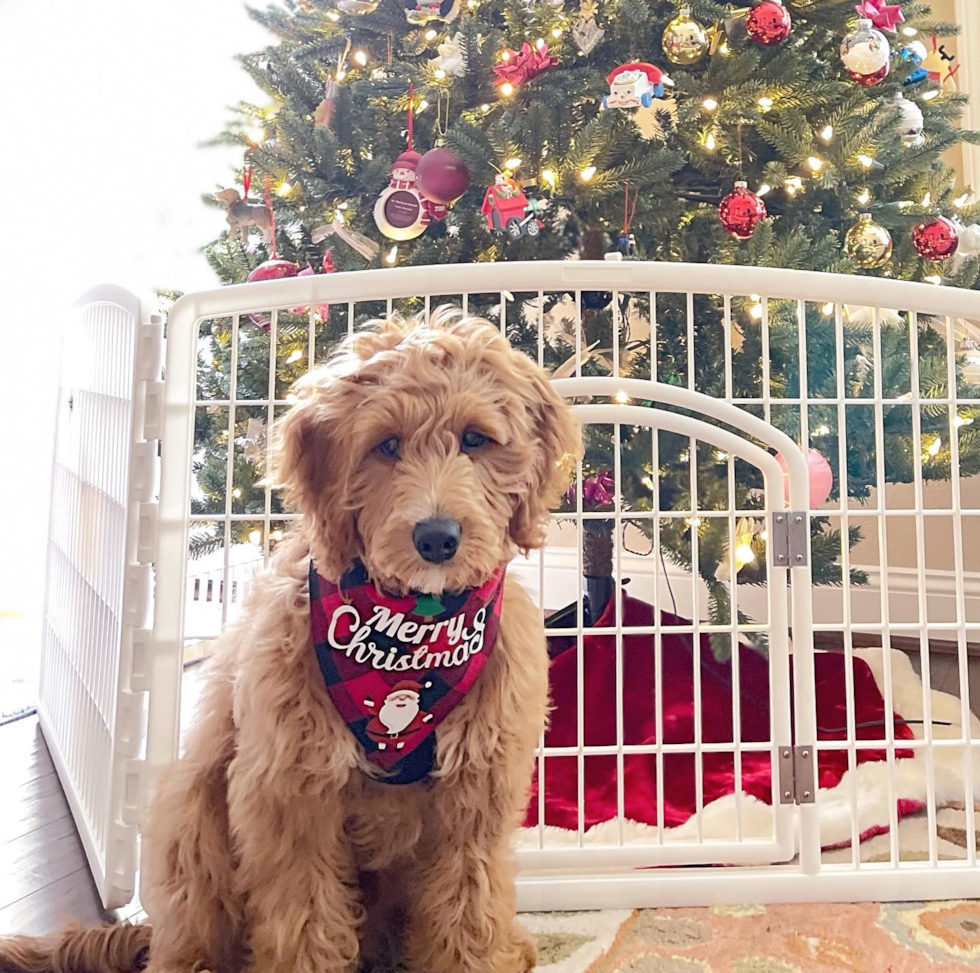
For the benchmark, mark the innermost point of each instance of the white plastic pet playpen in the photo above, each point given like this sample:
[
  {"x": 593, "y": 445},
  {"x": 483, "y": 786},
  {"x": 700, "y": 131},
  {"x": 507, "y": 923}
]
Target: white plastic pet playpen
[{"x": 124, "y": 600}]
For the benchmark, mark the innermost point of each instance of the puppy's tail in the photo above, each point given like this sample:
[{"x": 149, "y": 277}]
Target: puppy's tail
[{"x": 118, "y": 948}]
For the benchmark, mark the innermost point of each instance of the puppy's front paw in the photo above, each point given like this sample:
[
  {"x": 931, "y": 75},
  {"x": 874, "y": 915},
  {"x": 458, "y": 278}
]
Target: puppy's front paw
[{"x": 524, "y": 953}]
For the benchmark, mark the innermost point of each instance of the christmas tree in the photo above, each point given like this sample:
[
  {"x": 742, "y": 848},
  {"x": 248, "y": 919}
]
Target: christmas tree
[{"x": 402, "y": 132}]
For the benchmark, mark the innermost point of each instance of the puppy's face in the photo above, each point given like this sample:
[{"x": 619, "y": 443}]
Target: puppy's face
[{"x": 430, "y": 452}]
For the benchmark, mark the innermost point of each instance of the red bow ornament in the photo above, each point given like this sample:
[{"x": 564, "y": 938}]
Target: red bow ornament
[
  {"x": 520, "y": 66},
  {"x": 882, "y": 15}
]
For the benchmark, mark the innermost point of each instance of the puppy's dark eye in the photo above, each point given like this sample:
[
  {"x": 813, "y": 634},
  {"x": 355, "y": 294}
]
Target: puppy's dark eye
[
  {"x": 472, "y": 440},
  {"x": 390, "y": 448}
]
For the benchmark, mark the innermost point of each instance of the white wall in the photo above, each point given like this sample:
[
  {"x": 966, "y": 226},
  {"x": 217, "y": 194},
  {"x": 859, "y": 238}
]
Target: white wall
[{"x": 105, "y": 104}]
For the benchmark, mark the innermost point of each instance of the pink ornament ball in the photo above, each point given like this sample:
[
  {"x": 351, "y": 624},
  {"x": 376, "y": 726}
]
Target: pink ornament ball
[
  {"x": 821, "y": 477},
  {"x": 271, "y": 270},
  {"x": 441, "y": 176},
  {"x": 322, "y": 310}
]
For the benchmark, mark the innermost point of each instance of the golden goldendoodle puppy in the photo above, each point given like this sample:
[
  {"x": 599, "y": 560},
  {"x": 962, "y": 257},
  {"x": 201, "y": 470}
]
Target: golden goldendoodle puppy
[{"x": 364, "y": 746}]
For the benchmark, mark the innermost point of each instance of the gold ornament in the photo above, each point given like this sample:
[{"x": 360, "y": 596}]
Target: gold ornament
[
  {"x": 868, "y": 243},
  {"x": 685, "y": 40}
]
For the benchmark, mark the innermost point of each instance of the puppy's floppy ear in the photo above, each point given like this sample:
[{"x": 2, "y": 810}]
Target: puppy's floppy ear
[
  {"x": 557, "y": 446},
  {"x": 311, "y": 465}
]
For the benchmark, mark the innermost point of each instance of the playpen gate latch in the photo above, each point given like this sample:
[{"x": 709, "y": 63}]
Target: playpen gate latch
[
  {"x": 796, "y": 781},
  {"x": 789, "y": 539}
]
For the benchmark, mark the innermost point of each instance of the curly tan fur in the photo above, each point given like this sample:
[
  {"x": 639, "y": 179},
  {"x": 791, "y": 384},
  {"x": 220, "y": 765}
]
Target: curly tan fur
[{"x": 272, "y": 846}]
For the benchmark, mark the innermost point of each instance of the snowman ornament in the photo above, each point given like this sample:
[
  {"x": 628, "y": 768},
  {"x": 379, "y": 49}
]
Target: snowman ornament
[{"x": 401, "y": 212}]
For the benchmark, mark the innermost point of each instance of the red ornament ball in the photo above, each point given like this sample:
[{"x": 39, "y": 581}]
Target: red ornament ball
[
  {"x": 768, "y": 23},
  {"x": 936, "y": 238},
  {"x": 274, "y": 270},
  {"x": 441, "y": 176},
  {"x": 271, "y": 270},
  {"x": 740, "y": 212}
]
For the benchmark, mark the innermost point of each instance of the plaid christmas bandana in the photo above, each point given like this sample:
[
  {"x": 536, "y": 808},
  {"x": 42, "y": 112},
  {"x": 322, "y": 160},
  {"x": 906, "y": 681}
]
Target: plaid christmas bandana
[{"x": 395, "y": 668}]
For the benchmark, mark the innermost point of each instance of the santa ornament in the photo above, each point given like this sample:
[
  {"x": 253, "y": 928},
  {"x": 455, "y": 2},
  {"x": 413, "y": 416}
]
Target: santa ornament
[
  {"x": 634, "y": 84},
  {"x": 396, "y": 667}
]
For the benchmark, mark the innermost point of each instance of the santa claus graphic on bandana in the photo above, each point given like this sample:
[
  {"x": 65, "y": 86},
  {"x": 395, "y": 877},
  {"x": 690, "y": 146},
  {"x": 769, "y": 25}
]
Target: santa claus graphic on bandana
[{"x": 400, "y": 715}]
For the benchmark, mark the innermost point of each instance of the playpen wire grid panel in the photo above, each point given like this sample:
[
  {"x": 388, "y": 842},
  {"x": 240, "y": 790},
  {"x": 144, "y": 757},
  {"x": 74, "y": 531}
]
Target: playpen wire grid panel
[
  {"x": 97, "y": 592},
  {"x": 670, "y": 314}
]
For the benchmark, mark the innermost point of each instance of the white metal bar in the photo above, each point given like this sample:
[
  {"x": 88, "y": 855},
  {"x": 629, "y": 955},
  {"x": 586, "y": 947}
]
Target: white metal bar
[
  {"x": 230, "y": 468},
  {"x": 842, "y": 500},
  {"x": 970, "y": 796},
  {"x": 618, "y": 620},
  {"x": 734, "y": 643},
  {"x": 542, "y": 787},
  {"x": 696, "y": 635},
  {"x": 576, "y": 275},
  {"x": 925, "y": 662},
  {"x": 653, "y": 339},
  {"x": 886, "y": 657},
  {"x": 766, "y": 371},
  {"x": 658, "y": 644}
]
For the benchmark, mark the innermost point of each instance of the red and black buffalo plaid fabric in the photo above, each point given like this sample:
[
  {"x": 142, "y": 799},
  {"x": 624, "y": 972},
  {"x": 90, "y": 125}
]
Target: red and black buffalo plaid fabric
[{"x": 395, "y": 668}]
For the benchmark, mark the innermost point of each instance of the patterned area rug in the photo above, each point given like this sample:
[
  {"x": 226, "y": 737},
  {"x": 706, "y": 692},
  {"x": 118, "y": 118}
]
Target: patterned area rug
[{"x": 863, "y": 938}]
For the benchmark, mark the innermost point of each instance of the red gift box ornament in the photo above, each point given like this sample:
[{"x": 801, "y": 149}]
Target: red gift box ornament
[{"x": 520, "y": 66}]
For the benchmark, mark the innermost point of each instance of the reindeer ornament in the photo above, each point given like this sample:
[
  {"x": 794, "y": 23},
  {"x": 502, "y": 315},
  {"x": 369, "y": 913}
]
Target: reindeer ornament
[{"x": 242, "y": 214}]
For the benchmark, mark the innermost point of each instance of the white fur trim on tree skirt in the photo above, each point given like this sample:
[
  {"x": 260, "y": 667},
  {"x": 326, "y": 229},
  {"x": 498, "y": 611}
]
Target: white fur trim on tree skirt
[{"x": 869, "y": 789}]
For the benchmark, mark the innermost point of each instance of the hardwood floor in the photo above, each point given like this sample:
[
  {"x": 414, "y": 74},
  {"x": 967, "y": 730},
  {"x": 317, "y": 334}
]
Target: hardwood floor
[{"x": 44, "y": 878}]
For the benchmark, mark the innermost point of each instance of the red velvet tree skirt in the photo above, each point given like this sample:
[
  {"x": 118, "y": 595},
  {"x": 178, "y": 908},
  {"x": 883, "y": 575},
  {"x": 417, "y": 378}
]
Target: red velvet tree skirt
[{"x": 718, "y": 772}]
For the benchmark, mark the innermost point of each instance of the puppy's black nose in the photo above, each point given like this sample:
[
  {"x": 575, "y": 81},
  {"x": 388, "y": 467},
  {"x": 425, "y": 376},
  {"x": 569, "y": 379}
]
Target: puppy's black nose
[{"x": 436, "y": 539}]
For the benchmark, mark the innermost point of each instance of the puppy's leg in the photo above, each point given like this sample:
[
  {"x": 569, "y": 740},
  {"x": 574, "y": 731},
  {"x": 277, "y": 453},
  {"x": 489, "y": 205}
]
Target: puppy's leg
[
  {"x": 462, "y": 917},
  {"x": 187, "y": 863},
  {"x": 298, "y": 879}
]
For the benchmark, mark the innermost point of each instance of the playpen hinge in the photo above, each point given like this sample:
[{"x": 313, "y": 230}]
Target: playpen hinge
[
  {"x": 788, "y": 539},
  {"x": 796, "y": 780},
  {"x": 149, "y": 355}
]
